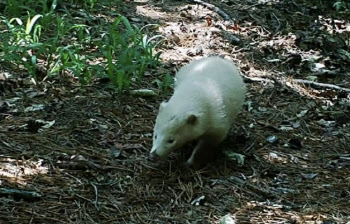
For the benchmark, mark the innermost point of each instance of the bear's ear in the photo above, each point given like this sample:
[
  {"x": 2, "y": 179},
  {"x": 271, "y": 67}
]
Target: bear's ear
[
  {"x": 162, "y": 105},
  {"x": 192, "y": 119}
]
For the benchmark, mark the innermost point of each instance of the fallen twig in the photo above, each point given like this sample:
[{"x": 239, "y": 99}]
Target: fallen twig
[
  {"x": 79, "y": 163},
  {"x": 248, "y": 79},
  {"x": 320, "y": 85},
  {"x": 232, "y": 38},
  {"x": 253, "y": 188},
  {"x": 20, "y": 194},
  {"x": 96, "y": 197},
  {"x": 215, "y": 9}
]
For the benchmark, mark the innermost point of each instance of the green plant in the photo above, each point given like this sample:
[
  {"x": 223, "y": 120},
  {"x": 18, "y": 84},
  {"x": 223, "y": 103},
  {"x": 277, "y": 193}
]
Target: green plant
[
  {"x": 168, "y": 81},
  {"x": 80, "y": 28},
  {"x": 340, "y": 5},
  {"x": 61, "y": 27},
  {"x": 71, "y": 60},
  {"x": 18, "y": 8},
  {"x": 91, "y": 3},
  {"x": 15, "y": 8},
  {"x": 47, "y": 12},
  {"x": 21, "y": 42},
  {"x": 21, "y": 34},
  {"x": 50, "y": 39},
  {"x": 128, "y": 53}
]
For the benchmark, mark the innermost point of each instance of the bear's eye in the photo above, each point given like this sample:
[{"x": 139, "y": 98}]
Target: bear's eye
[
  {"x": 171, "y": 140},
  {"x": 155, "y": 137}
]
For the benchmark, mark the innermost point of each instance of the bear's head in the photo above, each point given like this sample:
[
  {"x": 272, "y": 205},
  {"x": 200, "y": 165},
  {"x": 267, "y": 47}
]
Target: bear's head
[{"x": 173, "y": 129}]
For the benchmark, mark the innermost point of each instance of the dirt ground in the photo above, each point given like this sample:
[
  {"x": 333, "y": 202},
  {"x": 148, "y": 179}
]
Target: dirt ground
[{"x": 90, "y": 165}]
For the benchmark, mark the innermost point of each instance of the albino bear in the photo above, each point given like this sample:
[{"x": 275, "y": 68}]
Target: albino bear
[{"x": 209, "y": 93}]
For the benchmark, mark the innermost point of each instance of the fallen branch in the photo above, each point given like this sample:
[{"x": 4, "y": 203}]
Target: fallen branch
[
  {"x": 232, "y": 38},
  {"x": 79, "y": 163},
  {"x": 320, "y": 85},
  {"x": 248, "y": 79},
  {"x": 215, "y": 9},
  {"x": 266, "y": 193},
  {"x": 20, "y": 194}
]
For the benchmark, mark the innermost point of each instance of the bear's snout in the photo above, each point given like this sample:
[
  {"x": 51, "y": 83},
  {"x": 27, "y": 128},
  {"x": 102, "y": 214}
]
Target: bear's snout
[{"x": 153, "y": 156}]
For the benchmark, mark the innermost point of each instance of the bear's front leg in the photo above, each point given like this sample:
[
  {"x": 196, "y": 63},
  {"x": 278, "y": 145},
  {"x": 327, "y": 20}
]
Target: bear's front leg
[{"x": 204, "y": 152}]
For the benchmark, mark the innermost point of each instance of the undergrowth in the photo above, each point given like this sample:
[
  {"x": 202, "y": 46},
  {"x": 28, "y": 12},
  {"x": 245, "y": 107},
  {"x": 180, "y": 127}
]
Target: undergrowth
[{"x": 44, "y": 38}]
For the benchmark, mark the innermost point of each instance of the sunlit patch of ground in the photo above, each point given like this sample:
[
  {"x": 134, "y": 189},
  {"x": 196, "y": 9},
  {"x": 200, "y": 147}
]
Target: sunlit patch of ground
[
  {"x": 20, "y": 171},
  {"x": 188, "y": 40}
]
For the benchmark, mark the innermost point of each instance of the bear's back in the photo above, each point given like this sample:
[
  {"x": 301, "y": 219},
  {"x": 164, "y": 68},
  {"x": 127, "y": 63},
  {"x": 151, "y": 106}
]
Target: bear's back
[{"x": 216, "y": 79}]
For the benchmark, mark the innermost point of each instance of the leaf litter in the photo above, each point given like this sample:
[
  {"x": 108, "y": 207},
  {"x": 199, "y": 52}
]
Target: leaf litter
[{"x": 90, "y": 164}]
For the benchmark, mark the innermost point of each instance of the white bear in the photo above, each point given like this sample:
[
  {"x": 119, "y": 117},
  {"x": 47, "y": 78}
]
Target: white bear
[{"x": 208, "y": 95}]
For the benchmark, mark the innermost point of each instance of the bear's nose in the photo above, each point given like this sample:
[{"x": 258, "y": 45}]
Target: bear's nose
[{"x": 153, "y": 156}]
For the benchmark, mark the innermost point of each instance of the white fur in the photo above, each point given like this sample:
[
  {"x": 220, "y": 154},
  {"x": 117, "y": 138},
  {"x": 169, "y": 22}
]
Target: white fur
[{"x": 209, "y": 93}]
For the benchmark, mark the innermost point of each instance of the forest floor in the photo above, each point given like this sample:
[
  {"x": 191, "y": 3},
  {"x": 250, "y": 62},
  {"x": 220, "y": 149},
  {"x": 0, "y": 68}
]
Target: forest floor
[{"x": 89, "y": 164}]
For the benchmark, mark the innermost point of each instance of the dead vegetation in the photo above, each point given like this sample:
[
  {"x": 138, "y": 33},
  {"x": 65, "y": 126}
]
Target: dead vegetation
[{"x": 79, "y": 155}]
